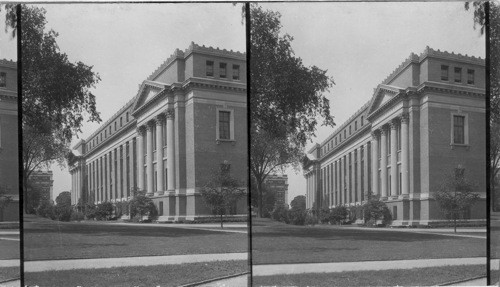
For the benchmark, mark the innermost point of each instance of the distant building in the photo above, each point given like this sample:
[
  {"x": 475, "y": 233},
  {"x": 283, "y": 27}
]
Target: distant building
[
  {"x": 43, "y": 182},
  {"x": 188, "y": 117},
  {"x": 279, "y": 185},
  {"x": 423, "y": 122},
  {"x": 9, "y": 147}
]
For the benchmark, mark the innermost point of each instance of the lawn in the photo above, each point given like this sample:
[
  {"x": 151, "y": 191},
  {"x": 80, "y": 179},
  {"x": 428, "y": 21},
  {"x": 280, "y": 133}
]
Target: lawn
[
  {"x": 63, "y": 240},
  {"x": 274, "y": 242},
  {"x": 412, "y": 277},
  {"x": 7, "y": 273},
  {"x": 9, "y": 249},
  {"x": 494, "y": 277},
  {"x": 168, "y": 275},
  {"x": 495, "y": 235}
]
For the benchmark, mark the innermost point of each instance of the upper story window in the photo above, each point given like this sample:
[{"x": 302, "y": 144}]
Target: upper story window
[
  {"x": 222, "y": 70},
  {"x": 349, "y": 130},
  {"x": 444, "y": 72},
  {"x": 361, "y": 120},
  {"x": 470, "y": 77},
  {"x": 236, "y": 72},
  {"x": 121, "y": 121},
  {"x": 345, "y": 133},
  {"x": 224, "y": 125},
  {"x": 458, "y": 75},
  {"x": 210, "y": 69},
  {"x": 3, "y": 79},
  {"x": 126, "y": 117},
  {"x": 355, "y": 125},
  {"x": 115, "y": 126},
  {"x": 458, "y": 129}
]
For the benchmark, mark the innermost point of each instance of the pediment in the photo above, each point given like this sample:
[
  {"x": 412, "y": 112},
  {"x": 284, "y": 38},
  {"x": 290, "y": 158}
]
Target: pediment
[
  {"x": 382, "y": 94},
  {"x": 147, "y": 91}
]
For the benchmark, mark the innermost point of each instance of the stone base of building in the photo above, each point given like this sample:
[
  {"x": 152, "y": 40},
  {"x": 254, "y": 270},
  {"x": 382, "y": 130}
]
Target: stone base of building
[{"x": 176, "y": 207}]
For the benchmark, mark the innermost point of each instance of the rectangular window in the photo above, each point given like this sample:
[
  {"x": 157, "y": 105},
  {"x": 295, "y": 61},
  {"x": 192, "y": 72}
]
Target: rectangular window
[
  {"x": 458, "y": 75},
  {"x": 444, "y": 73},
  {"x": 349, "y": 130},
  {"x": 361, "y": 120},
  {"x": 355, "y": 125},
  {"x": 222, "y": 70},
  {"x": 154, "y": 137},
  {"x": 224, "y": 125},
  {"x": 470, "y": 77},
  {"x": 236, "y": 72},
  {"x": 3, "y": 79},
  {"x": 160, "y": 208},
  {"x": 210, "y": 69},
  {"x": 458, "y": 129}
]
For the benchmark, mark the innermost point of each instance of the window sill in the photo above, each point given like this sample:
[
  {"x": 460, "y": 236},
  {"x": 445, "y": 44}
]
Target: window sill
[
  {"x": 455, "y": 145},
  {"x": 219, "y": 141}
]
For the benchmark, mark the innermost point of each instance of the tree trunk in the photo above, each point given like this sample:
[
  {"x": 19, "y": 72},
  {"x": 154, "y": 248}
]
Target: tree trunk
[
  {"x": 221, "y": 222},
  {"x": 259, "y": 191},
  {"x": 455, "y": 223}
]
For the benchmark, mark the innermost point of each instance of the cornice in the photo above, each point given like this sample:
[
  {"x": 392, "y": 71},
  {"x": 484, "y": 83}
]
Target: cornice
[
  {"x": 359, "y": 133},
  {"x": 399, "y": 96},
  {"x": 451, "y": 89},
  {"x": 130, "y": 125}
]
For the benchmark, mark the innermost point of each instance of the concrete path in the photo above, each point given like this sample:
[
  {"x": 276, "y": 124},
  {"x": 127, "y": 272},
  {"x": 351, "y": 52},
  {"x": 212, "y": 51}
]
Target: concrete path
[
  {"x": 48, "y": 265},
  {"x": 208, "y": 226},
  {"x": 10, "y": 263},
  {"x": 240, "y": 281},
  {"x": 439, "y": 231},
  {"x": 9, "y": 238},
  {"x": 9, "y": 232},
  {"x": 474, "y": 282},
  {"x": 14, "y": 283},
  {"x": 276, "y": 269}
]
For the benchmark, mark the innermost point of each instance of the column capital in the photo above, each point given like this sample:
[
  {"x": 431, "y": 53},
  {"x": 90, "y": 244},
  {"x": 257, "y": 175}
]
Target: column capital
[
  {"x": 160, "y": 119},
  {"x": 149, "y": 125},
  {"x": 375, "y": 133},
  {"x": 404, "y": 118},
  {"x": 170, "y": 114},
  {"x": 383, "y": 130},
  {"x": 394, "y": 123},
  {"x": 141, "y": 130}
]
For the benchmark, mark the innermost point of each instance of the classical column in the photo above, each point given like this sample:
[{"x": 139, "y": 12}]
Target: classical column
[
  {"x": 375, "y": 143},
  {"x": 342, "y": 181},
  {"x": 131, "y": 166},
  {"x": 359, "y": 191},
  {"x": 112, "y": 174},
  {"x": 149, "y": 158},
  {"x": 119, "y": 187},
  {"x": 383, "y": 161},
  {"x": 170, "y": 114},
  {"x": 404, "y": 155},
  {"x": 140, "y": 157},
  {"x": 394, "y": 159},
  {"x": 366, "y": 182},
  {"x": 160, "y": 121}
]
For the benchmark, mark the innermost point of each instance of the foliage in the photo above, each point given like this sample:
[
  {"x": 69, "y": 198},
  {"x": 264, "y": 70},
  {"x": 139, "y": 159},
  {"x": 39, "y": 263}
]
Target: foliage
[
  {"x": 103, "y": 211},
  {"x": 494, "y": 164},
  {"x": 268, "y": 198},
  {"x": 222, "y": 191},
  {"x": 285, "y": 98},
  {"x": 142, "y": 205},
  {"x": 63, "y": 212},
  {"x": 338, "y": 215},
  {"x": 122, "y": 208},
  {"x": 63, "y": 199},
  {"x": 77, "y": 216},
  {"x": 297, "y": 216},
  {"x": 46, "y": 209},
  {"x": 311, "y": 220},
  {"x": 5, "y": 199},
  {"x": 90, "y": 211},
  {"x": 298, "y": 203},
  {"x": 280, "y": 213},
  {"x": 374, "y": 209},
  {"x": 324, "y": 215},
  {"x": 456, "y": 195}
]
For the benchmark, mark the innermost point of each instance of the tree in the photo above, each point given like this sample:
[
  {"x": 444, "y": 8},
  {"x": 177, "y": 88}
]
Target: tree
[
  {"x": 142, "y": 205},
  {"x": 64, "y": 199},
  {"x": 286, "y": 97},
  {"x": 56, "y": 93},
  {"x": 494, "y": 163},
  {"x": 5, "y": 200},
  {"x": 456, "y": 195},
  {"x": 298, "y": 203},
  {"x": 375, "y": 209},
  {"x": 222, "y": 191},
  {"x": 103, "y": 210}
]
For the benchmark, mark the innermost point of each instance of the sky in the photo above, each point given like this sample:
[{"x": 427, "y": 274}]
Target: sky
[
  {"x": 8, "y": 45},
  {"x": 125, "y": 43},
  {"x": 360, "y": 44}
]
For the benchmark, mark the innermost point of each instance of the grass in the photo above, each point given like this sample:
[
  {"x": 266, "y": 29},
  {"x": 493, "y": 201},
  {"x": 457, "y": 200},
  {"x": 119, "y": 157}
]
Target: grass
[
  {"x": 9, "y": 249},
  {"x": 495, "y": 235},
  {"x": 412, "y": 277},
  {"x": 494, "y": 277},
  {"x": 45, "y": 240},
  {"x": 167, "y": 275},
  {"x": 274, "y": 242},
  {"x": 7, "y": 273}
]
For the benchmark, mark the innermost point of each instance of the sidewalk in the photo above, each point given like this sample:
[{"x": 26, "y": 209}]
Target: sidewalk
[
  {"x": 440, "y": 231},
  {"x": 51, "y": 265},
  {"x": 277, "y": 269}
]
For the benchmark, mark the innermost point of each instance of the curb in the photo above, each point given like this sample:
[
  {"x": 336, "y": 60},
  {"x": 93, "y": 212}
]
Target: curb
[
  {"x": 214, "y": 279},
  {"x": 451, "y": 283},
  {"x": 9, "y": 280}
]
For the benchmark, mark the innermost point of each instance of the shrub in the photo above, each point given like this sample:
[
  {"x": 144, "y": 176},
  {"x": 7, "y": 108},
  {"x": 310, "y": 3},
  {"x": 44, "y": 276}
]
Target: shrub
[
  {"x": 324, "y": 215},
  {"x": 338, "y": 215},
  {"x": 311, "y": 220},
  {"x": 280, "y": 213},
  {"x": 103, "y": 211},
  {"x": 77, "y": 216},
  {"x": 297, "y": 217},
  {"x": 46, "y": 209},
  {"x": 63, "y": 213},
  {"x": 141, "y": 206},
  {"x": 375, "y": 209}
]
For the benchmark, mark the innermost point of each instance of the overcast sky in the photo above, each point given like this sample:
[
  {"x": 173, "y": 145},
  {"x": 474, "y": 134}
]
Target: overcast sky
[
  {"x": 360, "y": 44},
  {"x": 126, "y": 42},
  {"x": 8, "y": 45}
]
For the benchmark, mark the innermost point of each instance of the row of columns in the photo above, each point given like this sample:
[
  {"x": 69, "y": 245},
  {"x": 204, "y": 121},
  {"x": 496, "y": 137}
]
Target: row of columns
[
  {"x": 147, "y": 131},
  {"x": 379, "y": 137},
  {"x": 76, "y": 183}
]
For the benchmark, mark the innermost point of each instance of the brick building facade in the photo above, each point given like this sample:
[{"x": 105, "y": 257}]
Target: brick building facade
[
  {"x": 423, "y": 121},
  {"x": 9, "y": 148},
  {"x": 188, "y": 117},
  {"x": 43, "y": 182},
  {"x": 278, "y": 184}
]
